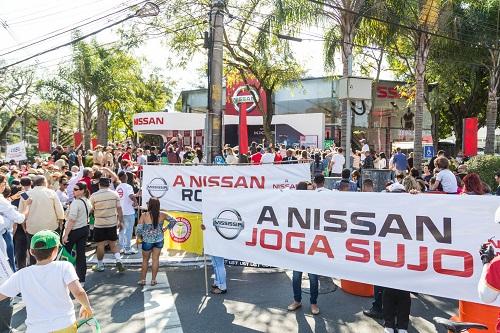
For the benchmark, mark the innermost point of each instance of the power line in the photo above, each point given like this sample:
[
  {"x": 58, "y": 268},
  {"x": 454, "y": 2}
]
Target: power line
[
  {"x": 62, "y": 28},
  {"x": 72, "y": 29},
  {"x": 399, "y": 25}
]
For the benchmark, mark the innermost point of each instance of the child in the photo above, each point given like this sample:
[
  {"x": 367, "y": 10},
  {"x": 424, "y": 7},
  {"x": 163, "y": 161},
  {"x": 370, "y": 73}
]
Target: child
[{"x": 44, "y": 288}]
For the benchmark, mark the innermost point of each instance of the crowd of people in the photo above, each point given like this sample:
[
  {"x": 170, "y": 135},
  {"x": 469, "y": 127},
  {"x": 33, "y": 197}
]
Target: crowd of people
[{"x": 74, "y": 196}]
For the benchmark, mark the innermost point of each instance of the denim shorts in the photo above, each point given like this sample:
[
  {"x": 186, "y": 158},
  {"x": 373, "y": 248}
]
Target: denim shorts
[{"x": 150, "y": 246}]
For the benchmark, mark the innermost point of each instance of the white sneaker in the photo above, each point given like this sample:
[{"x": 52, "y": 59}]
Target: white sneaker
[
  {"x": 389, "y": 330},
  {"x": 402, "y": 331}
]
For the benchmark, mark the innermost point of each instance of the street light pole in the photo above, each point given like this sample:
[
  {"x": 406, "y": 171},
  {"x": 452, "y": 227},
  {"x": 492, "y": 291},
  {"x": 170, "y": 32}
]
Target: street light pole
[{"x": 215, "y": 53}]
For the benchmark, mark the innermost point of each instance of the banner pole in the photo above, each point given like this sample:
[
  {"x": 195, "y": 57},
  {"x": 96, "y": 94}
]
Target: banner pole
[{"x": 206, "y": 274}]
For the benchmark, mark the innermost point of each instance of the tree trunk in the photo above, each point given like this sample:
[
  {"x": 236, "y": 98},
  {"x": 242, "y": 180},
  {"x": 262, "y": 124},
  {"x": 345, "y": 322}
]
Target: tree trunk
[
  {"x": 267, "y": 116},
  {"x": 346, "y": 71},
  {"x": 7, "y": 127},
  {"x": 492, "y": 108},
  {"x": 87, "y": 122},
  {"x": 102, "y": 125},
  {"x": 422, "y": 54}
]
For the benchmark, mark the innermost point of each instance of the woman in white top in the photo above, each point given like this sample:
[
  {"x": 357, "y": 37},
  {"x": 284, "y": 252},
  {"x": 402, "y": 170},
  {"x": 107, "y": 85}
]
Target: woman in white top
[
  {"x": 230, "y": 158},
  {"x": 76, "y": 229},
  {"x": 382, "y": 162}
]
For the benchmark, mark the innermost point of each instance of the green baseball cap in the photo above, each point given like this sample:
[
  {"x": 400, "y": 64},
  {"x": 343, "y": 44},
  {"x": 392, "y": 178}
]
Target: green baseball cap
[{"x": 48, "y": 237}]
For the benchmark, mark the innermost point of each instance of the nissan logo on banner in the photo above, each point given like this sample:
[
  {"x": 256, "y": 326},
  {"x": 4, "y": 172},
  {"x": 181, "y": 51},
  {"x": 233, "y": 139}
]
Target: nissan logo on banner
[
  {"x": 238, "y": 98},
  {"x": 157, "y": 187},
  {"x": 228, "y": 223}
]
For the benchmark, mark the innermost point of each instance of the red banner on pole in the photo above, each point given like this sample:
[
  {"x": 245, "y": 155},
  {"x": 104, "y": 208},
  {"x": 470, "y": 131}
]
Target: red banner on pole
[
  {"x": 44, "y": 136},
  {"x": 243, "y": 144},
  {"x": 77, "y": 137},
  {"x": 469, "y": 137}
]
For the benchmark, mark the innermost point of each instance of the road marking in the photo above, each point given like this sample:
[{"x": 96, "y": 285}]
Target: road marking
[{"x": 160, "y": 313}]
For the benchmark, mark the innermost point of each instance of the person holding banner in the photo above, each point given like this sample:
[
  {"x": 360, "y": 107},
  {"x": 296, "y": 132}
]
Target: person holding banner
[{"x": 297, "y": 276}]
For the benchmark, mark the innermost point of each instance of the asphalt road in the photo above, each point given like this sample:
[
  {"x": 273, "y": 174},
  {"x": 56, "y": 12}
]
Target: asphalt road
[{"x": 256, "y": 302}]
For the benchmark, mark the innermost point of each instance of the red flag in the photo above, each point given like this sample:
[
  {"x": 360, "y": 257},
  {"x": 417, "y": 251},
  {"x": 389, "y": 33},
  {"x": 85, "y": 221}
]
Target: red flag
[
  {"x": 77, "y": 137},
  {"x": 469, "y": 140},
  {"x": 44, "y": 136},
  {"x": 243, "y": 129},
  {"x": 93, "y": 143}
]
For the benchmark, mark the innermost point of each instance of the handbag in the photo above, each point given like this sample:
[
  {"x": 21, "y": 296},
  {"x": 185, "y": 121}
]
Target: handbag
[{"x": 64, "y": 255}]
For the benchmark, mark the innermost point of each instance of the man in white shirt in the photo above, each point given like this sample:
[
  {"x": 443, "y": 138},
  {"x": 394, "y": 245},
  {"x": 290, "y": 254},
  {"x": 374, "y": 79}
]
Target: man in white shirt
[
  {"x": 128, "y": 201},
  {"x": 364, "y": 149},
  {"x": 268, "y": 156},
  {"x": 141, "y": 159},
  {"x": 337, "y": 163},
  {"x": 445, "y": 177}
]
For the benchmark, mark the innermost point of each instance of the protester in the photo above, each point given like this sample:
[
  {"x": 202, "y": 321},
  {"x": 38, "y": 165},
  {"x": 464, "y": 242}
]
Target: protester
[
  {"x": 108, "y": 218},
  {"x": 445, "y": 177},
  {"x": 230, "y": 158},
  {"x": 290, "y": 158},
  {"x": 473, "y": 185},
  {"x": 382, "y": 163},
  {"x": 368, "y": 161},
  {"x": 150, "y": 230},
  {"x": 352, "y": 186},
  {"x": 128, "y": 202},
  {"x": 297, "y": 276},
  {"x": 268, "y": 156},
  {"x": 319, "y": 182},
  {"x": 399, "y": 161},
  {"x": 317, "y": 165},
  {"x": 62, "y": 193},
  {"x": 45, "y": 288},
  {"x": 45, "y": 212},
  {"x": 497, "y": 179},
  {"x": 76, "y": 229},
  {"x": 337, "y": 163}
]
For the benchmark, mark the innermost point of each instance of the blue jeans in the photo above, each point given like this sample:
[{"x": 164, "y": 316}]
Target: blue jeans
[
  {"x": 297, "y": 287},
  {"x": 125, "y": 235},
  {"x": 220, "y": 272},
  {"x": 7, "y": 237}
]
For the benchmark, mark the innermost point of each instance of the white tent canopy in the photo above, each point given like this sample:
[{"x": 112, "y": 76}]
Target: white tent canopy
[{"x": 159, "y": 123}]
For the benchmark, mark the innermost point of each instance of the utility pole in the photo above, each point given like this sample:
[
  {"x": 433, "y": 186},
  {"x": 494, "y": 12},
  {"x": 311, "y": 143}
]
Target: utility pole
[
  {"x": 215, "y": 58},
  {"x": 348, "y": 134}
]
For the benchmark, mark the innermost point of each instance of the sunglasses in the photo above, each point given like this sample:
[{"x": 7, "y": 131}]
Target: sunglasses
[{"x": 77, "y": 189}]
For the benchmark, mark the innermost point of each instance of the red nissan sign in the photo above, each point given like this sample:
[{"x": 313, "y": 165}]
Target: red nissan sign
[
  {"x": 240, "y": 92},
  {"x": 149, "y": 121}
]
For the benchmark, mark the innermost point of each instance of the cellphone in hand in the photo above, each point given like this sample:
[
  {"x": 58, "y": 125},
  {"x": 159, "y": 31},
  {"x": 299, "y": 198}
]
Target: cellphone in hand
[{"x": 25, "y": 196}]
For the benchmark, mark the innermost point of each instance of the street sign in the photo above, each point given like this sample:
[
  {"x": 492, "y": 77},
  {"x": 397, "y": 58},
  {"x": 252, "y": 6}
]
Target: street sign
[{"x": 428, "y": 151}]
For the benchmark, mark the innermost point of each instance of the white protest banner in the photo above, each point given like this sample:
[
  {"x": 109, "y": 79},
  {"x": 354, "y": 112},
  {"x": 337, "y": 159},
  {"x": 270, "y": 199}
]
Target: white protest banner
[
  {"x": 424, "y": 243},
  {"x": 180, "y": 187},
  {"x": 16, "y": 152}
]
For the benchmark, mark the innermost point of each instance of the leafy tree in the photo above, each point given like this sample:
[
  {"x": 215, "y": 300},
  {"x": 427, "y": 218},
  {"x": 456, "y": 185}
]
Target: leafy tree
[
  {"x": 108, "y": 84},
  {"x": 16, "y": 91}
]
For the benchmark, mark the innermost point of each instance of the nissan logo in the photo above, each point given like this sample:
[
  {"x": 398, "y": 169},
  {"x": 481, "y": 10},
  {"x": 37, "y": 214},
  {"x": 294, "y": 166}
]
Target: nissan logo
[
  {"x": 253, "y": 98},
  {"x": 228, "y": 223},
  {"x": 157, "y": 187}
]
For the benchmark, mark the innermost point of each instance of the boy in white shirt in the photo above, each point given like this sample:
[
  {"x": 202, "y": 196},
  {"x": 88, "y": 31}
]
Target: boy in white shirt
[{"x": 48, "y": 280}]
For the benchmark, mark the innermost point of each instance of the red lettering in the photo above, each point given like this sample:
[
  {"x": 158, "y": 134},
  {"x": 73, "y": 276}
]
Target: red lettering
[
  {"x": 279, "y": 239},
  {"x": 350, "y": 246},
  {"x": 316, "y": 248},
  {"x": 179, "y": 181},
  {"x": 241, "y": 182},
  {"x": 400, "y": 253},
  {"x": 381, "y": 92},
  {"x": 226, "y": 181},
  {"x": 253, "y": 242},
  {"x": 213, "y": 181},
  {"x": 422, "y": 266},
  {"x": 393, "y": 92},
  {"x": 149, "y": 121},
  {"x": 466, "y": 257},
  {"x": 288, "y": 245},
  {"x": 195, "y": 181}
]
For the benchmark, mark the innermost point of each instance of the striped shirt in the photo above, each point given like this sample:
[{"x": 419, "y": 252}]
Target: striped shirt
[{"x": 105, "y": 203}]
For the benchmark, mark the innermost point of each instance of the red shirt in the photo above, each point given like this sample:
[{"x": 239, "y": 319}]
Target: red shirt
[
  {"x": 126, "y": 156},
  {"x": 256, "y": 158},
  {"x": 278, "y": 158},
  {"x": 87, "y": 181}
]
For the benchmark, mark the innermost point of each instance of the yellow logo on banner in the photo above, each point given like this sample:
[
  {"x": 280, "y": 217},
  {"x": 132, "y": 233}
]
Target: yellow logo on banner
[{"x": 186, "y": 234}]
